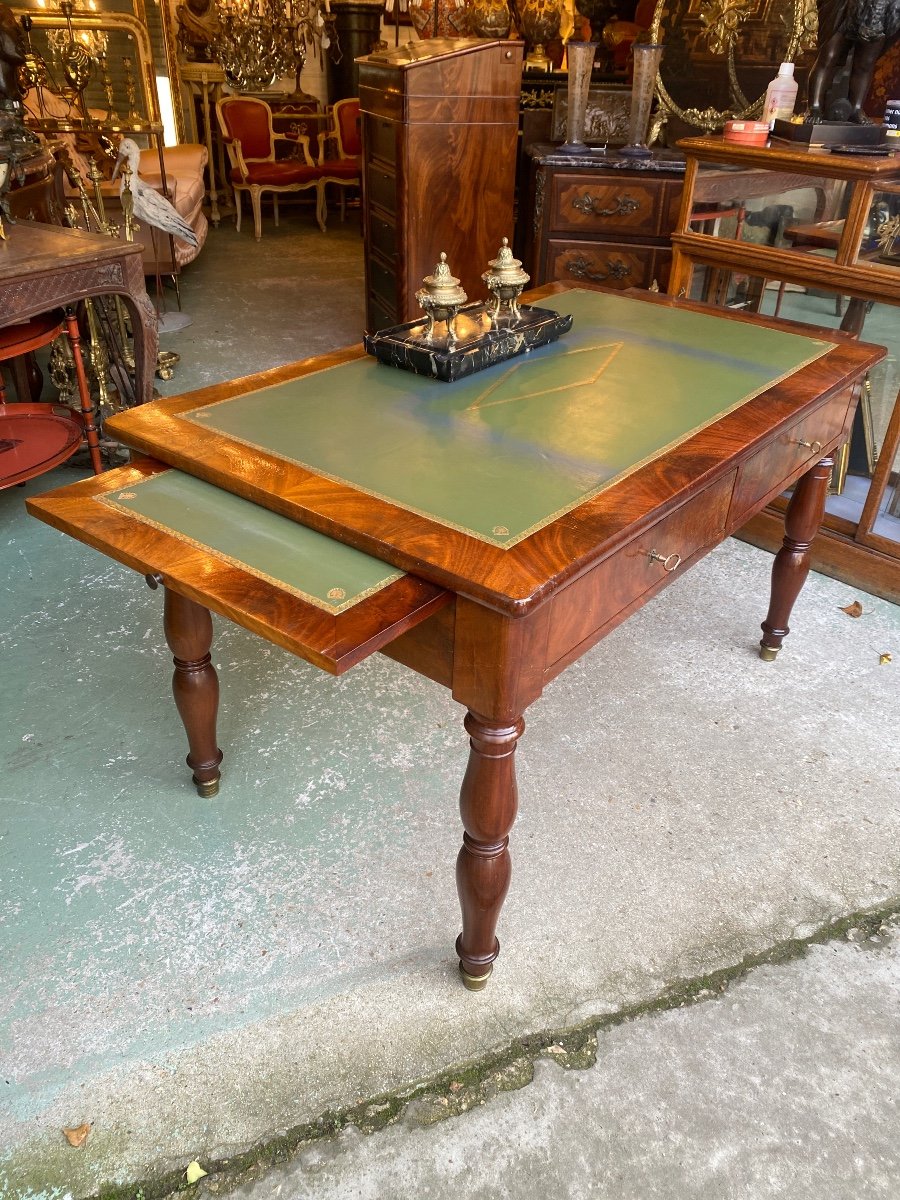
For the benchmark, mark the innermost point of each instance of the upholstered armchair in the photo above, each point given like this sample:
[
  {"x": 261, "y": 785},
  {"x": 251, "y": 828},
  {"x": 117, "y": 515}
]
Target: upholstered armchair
[
  {"x": 246, "y": 125},
  {"x": 343, "y": 167}
]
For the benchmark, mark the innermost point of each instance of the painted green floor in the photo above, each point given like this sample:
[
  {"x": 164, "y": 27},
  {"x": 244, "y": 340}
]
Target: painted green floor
[
  {"x": 194, "y": 977},
  {"x": 255, "y": 305}
]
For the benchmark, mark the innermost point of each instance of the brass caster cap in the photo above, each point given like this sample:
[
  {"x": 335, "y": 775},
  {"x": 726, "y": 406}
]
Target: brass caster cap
[
  {"x": 208, "y": 789},
  {"x": 768, "y": 653},
  {"x": 474, "y": 983}
]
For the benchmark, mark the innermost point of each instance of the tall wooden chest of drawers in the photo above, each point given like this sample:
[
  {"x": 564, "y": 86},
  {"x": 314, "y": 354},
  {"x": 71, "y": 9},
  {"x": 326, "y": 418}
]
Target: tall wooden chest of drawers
[
  {"x": 601, "y": 218},
  {"x": 439, "y": 128}
]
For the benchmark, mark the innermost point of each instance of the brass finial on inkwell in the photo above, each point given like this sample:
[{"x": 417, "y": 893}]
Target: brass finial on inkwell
[
  {"x": 441, "y": 299},
  {"x": 505, "y": 281}
]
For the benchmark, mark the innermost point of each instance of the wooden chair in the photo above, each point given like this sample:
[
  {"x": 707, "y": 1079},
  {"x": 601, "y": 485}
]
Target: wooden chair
[
  {"x": 246, "y": 125},
  {"x": 344, "y": 168}
]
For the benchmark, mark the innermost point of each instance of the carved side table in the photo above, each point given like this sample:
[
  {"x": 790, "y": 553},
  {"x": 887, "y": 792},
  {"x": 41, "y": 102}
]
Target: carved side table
[{"x": 43, "y": 267}]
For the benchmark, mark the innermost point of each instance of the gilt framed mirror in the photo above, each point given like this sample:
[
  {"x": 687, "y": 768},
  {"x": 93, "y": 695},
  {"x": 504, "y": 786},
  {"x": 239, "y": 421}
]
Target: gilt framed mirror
[{"x": 721, "y": 54}]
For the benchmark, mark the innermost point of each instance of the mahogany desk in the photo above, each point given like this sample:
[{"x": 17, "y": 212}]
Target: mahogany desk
[
  {"x": 507, "y": 522},
  {"x": 43, "y": 267}
]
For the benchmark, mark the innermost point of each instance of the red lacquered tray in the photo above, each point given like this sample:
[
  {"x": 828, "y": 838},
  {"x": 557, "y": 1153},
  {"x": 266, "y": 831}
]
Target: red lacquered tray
[{"x": 34, "y": 438}]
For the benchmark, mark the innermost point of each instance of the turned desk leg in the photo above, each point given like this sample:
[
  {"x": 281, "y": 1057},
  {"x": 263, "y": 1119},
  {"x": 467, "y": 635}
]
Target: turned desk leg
[
  {"x": 488, "y": 801},
  {"x": 801, "y": 523},
  {"x": 195, "y": 686}
]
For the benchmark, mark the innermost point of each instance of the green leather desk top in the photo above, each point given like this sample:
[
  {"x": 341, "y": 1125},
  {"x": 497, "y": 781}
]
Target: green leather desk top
[
  {"x": 313, "y": 567},
  {"x": 503, "y": 453}
]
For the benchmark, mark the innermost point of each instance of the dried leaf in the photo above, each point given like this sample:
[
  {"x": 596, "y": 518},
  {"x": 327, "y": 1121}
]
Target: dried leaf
[
  {"x": 194, "y": 1172},
  {"x": 884, "y": 658},
  {"x": 78, "y": 1136},
  {"x": 853, "y": 610}
]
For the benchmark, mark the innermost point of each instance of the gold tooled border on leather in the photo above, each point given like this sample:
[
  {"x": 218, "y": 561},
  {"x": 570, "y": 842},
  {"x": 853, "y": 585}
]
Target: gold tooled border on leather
[{"x": 333, "y": 609}]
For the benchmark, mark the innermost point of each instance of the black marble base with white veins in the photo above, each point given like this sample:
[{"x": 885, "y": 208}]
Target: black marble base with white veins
[{"x": 480, "y": 341}]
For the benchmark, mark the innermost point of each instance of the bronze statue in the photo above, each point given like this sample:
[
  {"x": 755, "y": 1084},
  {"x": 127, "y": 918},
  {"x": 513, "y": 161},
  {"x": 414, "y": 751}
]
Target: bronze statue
[
  {"x": 865, "y": 27},
  {"x": 12, "y": 56},
  {"x": 14, "y": 138},
  {"x": 198, "y": 29}
]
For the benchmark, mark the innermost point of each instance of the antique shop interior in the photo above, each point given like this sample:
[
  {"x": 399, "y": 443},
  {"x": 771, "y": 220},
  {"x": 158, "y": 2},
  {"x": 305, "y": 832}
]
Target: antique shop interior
[{"x": 203, "y": 980}]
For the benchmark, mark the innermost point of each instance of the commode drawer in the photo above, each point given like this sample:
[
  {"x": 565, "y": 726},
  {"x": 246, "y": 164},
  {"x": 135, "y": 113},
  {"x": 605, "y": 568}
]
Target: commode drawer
[
  {"x": 613, "y": 264},
  {"x": 581, "y": 204}
]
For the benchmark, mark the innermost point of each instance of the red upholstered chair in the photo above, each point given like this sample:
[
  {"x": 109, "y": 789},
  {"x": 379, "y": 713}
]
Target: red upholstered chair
[
  {"x": 246, "y": 125},
  {"x": 344, "y": 143}
]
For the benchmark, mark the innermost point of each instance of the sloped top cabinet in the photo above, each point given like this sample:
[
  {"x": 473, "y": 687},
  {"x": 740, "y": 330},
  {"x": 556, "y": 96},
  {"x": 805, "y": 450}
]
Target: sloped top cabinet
[{"x": 439, "y": 127}]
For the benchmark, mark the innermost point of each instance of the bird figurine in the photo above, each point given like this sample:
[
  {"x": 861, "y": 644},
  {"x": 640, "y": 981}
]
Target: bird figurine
[{"x": 148, "y": 204}]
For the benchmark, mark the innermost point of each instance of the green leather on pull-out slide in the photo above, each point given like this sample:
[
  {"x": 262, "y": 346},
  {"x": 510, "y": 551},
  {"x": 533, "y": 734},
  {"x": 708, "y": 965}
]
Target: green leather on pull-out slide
[
  {"x": 315, "y": 568},
  {"x": 505, "y": 451}
]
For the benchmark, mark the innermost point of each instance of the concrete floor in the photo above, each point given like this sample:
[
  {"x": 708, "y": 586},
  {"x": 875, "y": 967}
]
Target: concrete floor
[{"x": 232, "y": 980}]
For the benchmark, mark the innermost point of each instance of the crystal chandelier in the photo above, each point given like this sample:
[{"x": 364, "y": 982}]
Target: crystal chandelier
[
  {"x": 76, "y": 52},
  {"x": 259, "y": 41}
]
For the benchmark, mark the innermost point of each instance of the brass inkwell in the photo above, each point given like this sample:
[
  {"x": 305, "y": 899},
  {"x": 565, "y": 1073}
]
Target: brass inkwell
[
  {"x": 457, "y": 338},
  {"x": 505, "y": 281},
  {"x": 441, "y": 299}
]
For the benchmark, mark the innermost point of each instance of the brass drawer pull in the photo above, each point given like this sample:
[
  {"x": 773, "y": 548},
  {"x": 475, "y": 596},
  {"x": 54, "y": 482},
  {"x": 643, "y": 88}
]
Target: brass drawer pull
[
  {"x": 674, "y": 559},
  {"x": 622, "y": 206},
  {"x": 814, "y": 446},
  {"x": 580, "y": 267}
]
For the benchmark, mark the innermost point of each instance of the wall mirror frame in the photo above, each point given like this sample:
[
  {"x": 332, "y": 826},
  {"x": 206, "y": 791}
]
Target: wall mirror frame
[
  {"x": 725, "y": 52},
  {"x": 149, "y": 24}
]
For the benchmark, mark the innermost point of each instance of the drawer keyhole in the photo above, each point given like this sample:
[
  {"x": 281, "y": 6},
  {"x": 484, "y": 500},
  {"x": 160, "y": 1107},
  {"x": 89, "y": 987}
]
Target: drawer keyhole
[{"x": 670, "y": 562}]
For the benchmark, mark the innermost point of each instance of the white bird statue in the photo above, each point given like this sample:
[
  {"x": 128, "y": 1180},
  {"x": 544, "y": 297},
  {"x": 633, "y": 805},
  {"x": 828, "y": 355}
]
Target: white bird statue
[{"x": 149, "y": 205}]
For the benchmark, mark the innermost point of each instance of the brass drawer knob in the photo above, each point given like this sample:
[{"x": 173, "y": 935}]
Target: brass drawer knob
[
  {"x": 814, "y": 446},
  {"x": 670, "y": 562}
]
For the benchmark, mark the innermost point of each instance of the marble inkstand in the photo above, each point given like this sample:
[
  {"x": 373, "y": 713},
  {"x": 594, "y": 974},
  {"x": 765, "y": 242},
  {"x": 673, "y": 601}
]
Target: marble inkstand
[{"x": 456, "y": 339}]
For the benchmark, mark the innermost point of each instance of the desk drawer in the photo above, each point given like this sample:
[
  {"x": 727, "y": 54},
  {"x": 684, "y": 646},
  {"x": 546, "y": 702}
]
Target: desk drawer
[
  {"x": 583, "y": 205},
  {"x": 381, "y": 138},
  {"x": 383, "y": 283},
  {"x": 381, "y": 188},
  {"x": 383, "y": 236},
  {"x": 792, "y": 452},
  {"x": 613, "y": 264},
  {"x": 619, "y": 584},
  {"x": 321, "y": 600}
]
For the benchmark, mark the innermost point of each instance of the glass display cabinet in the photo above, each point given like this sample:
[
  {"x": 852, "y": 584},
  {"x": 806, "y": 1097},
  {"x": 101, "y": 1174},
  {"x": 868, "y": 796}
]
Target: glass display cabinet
[{"x": 819, "y": 243}]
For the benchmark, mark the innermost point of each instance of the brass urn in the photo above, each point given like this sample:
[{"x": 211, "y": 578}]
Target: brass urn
[
  {"x": 488, "y": 18},
  {"x": 538, "y": 22}
]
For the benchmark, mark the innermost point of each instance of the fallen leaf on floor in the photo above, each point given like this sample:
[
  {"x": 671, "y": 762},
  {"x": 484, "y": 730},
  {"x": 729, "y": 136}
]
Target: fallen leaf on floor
[
  {"x": 78, "y": 1136},
  {"x": 194, "y": 1172},
  {"x": 884, "y": 658},
  {"x": 853, "y": 610}
]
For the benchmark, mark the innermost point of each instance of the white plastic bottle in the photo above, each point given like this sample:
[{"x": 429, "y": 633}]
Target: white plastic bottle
[{"x": 781, "y": 96}]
